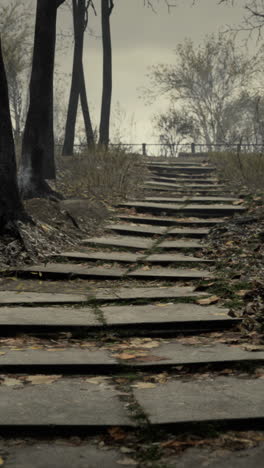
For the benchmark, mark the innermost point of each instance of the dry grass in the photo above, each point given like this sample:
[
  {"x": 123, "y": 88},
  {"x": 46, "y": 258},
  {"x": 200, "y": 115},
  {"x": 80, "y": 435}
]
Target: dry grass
[
  {"x": 241, "y": 170},
  {"x": 108, "y": 176}
]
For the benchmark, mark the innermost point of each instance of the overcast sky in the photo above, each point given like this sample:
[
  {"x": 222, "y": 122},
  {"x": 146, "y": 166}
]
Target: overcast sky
[{"x": 140, "y": 39}]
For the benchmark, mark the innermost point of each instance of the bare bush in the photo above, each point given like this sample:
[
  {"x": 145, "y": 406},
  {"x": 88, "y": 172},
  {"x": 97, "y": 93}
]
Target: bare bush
[{"x": 108, "y": 176}]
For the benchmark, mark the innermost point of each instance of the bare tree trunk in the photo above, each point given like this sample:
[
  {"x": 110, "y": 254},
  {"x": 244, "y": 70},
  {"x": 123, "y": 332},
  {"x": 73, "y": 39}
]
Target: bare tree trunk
[
  {"x": 78, "y": 83},
  {"x": 11, "y": 208},
  {"x": 107, "y": 7},
  {"x": 38, "y": 140},
  {"x": 86, "y": 113}
]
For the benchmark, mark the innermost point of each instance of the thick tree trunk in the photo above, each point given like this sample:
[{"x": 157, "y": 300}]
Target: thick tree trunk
[
  {"x": 107, "y": 7},
  {"x": 78, "y": 83},
  {"x": 38, "y": 140},
  {"x": 11, "y": 208}
]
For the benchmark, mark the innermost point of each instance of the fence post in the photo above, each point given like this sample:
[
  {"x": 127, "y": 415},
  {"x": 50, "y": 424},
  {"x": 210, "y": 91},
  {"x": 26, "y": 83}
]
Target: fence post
[
  {"x": 144, "y": 149},
  {"x": 193, "y": 148}
]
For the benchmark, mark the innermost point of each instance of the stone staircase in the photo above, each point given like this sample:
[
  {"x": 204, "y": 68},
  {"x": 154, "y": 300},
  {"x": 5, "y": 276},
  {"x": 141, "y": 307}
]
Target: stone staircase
[{"x": 134, "y": 314}]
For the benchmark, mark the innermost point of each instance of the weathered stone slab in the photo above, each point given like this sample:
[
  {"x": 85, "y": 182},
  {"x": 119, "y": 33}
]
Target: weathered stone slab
[
  {"x": 167, "y": 313},
  {"x": 219, "y": 458},
  {"x": 187, "y": 232},
  {"x": 170, "y": 221},
  {"x": 203, "y": 400},
  {"x": 21, "y": 297},
  {"x": 137, "y": 230},
  {"x": 180, "y": 354},
  {"x": 156, "y": 293},
  {"x": 169, "y": 273},
  {"x": 128, "y": 242},
  {"x": 180, "y": 244},
  {"x": 67, "y": 269},
  {"x": 190, "y": 209},
  {"x": 60, "y": 455},
  {"x": 174, "y": 258},
  {"x": 186, "y": 180},
  {"x": 47, "y": 317},
  {"x": 122, "y": 257},
  {"x": 65, "y": 403},
  {"x": 192, "y": 199},
  {"x": 63, "y": 359}
]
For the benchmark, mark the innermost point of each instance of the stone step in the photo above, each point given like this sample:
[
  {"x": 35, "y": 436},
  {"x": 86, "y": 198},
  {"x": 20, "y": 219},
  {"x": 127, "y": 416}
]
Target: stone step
[
  {"x": 154, "y": 354},
  {"x": 169, "y": 274},
  {"x": 192, "y": 199},
  {"x": 170, "y": 317},
  {"x": 121, "y": 257},
  {"x": 35, "y": 455},
  {"x": 156, "y": 230},
  {"x": 184, "y": 186},
  {"x": 170, "y": 221},
  {"x": 197, "y": 210},
  {"x": 204, "y": 400},
  {"x": 210, "y": 181},
  {"x": 137, "y": 230},
  {"x": 180, "y": 244},
  {"x": 66, "y": 403},
  {"x": 183, "y": 169},
  {"x": 174, "y": 258},
  {"x": 55, "y": 270},
  {"x": 182, "y": 175},
  {"x": 99, "y": 294},
  {"x": 128, "y": 242}
]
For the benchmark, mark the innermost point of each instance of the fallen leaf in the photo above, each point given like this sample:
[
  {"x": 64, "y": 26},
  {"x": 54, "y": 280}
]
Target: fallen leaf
[
  {"x": 242, "y": 292},
  {"x": 129, "y": 356},
  {"x": 250, "y": 347},
  {"x": 1, "y": 461},
  {"x": 238, "y": 202},
  {"x": 97, "y": 380},
  {"x": 2, "y": 353},
  {"x": 145, "y": 268},
  {"x": 151, "y": 344},
  {"x": 117, "y": 433},
  {"x": 127, "y": 461},
  {"x": 40, "y": 379},
  {"x": 11, "y": 382},
  {"x": 144, "y": 385},
  {"x": 208, "y": 300}
]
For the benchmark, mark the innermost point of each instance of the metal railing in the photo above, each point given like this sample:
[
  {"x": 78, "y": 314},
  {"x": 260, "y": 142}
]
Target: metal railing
[{"x": 167, "y": 150}]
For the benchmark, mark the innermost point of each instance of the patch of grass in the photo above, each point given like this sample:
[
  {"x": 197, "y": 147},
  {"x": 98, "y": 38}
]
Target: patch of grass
[
  {"x": 105, "y": 176},
  {"x": 240, "y": 169}
]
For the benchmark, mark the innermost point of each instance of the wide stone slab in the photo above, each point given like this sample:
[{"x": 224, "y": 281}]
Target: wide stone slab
[
  {"x": 220, "y": 399},
  {"x": 177, "y": 180},
  {"x": 219, "y": 458},
  {"x": 128, "y": 242},
  {"x": 122, "y": 257},
  {"x": 171, "y": 292},
  {"x": 174, "y": 354},
  {"x": 165, "y": 314},
  {"x": 60, "y": 455},
  {"x": 169, "y": 273},
  {"x": 187, "y": 232},
  {"x": 63, "y": 359},
  {"x": 170, "y": 221},
  {"x": 190, "y": 209},
  {"x": 180, "y": 244},
  {"x": 192, "y": 199},
  {"x": 137, "y": 230},
  {"x": 72, "y": 270},
  {"x": 47, "y": 317},
  {"x": 68, "y": 402},
  {"x": 21, "y": 297},
  {"x": 174, "y": 258}
]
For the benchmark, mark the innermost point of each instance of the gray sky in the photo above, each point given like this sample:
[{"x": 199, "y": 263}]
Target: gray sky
[{"x": 141, "y": 39}]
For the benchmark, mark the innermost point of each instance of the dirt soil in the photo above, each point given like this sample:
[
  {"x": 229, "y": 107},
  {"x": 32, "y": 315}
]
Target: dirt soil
[
  {"x": 57, "y": 225},
  {"x": 238, "y": 245}
]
